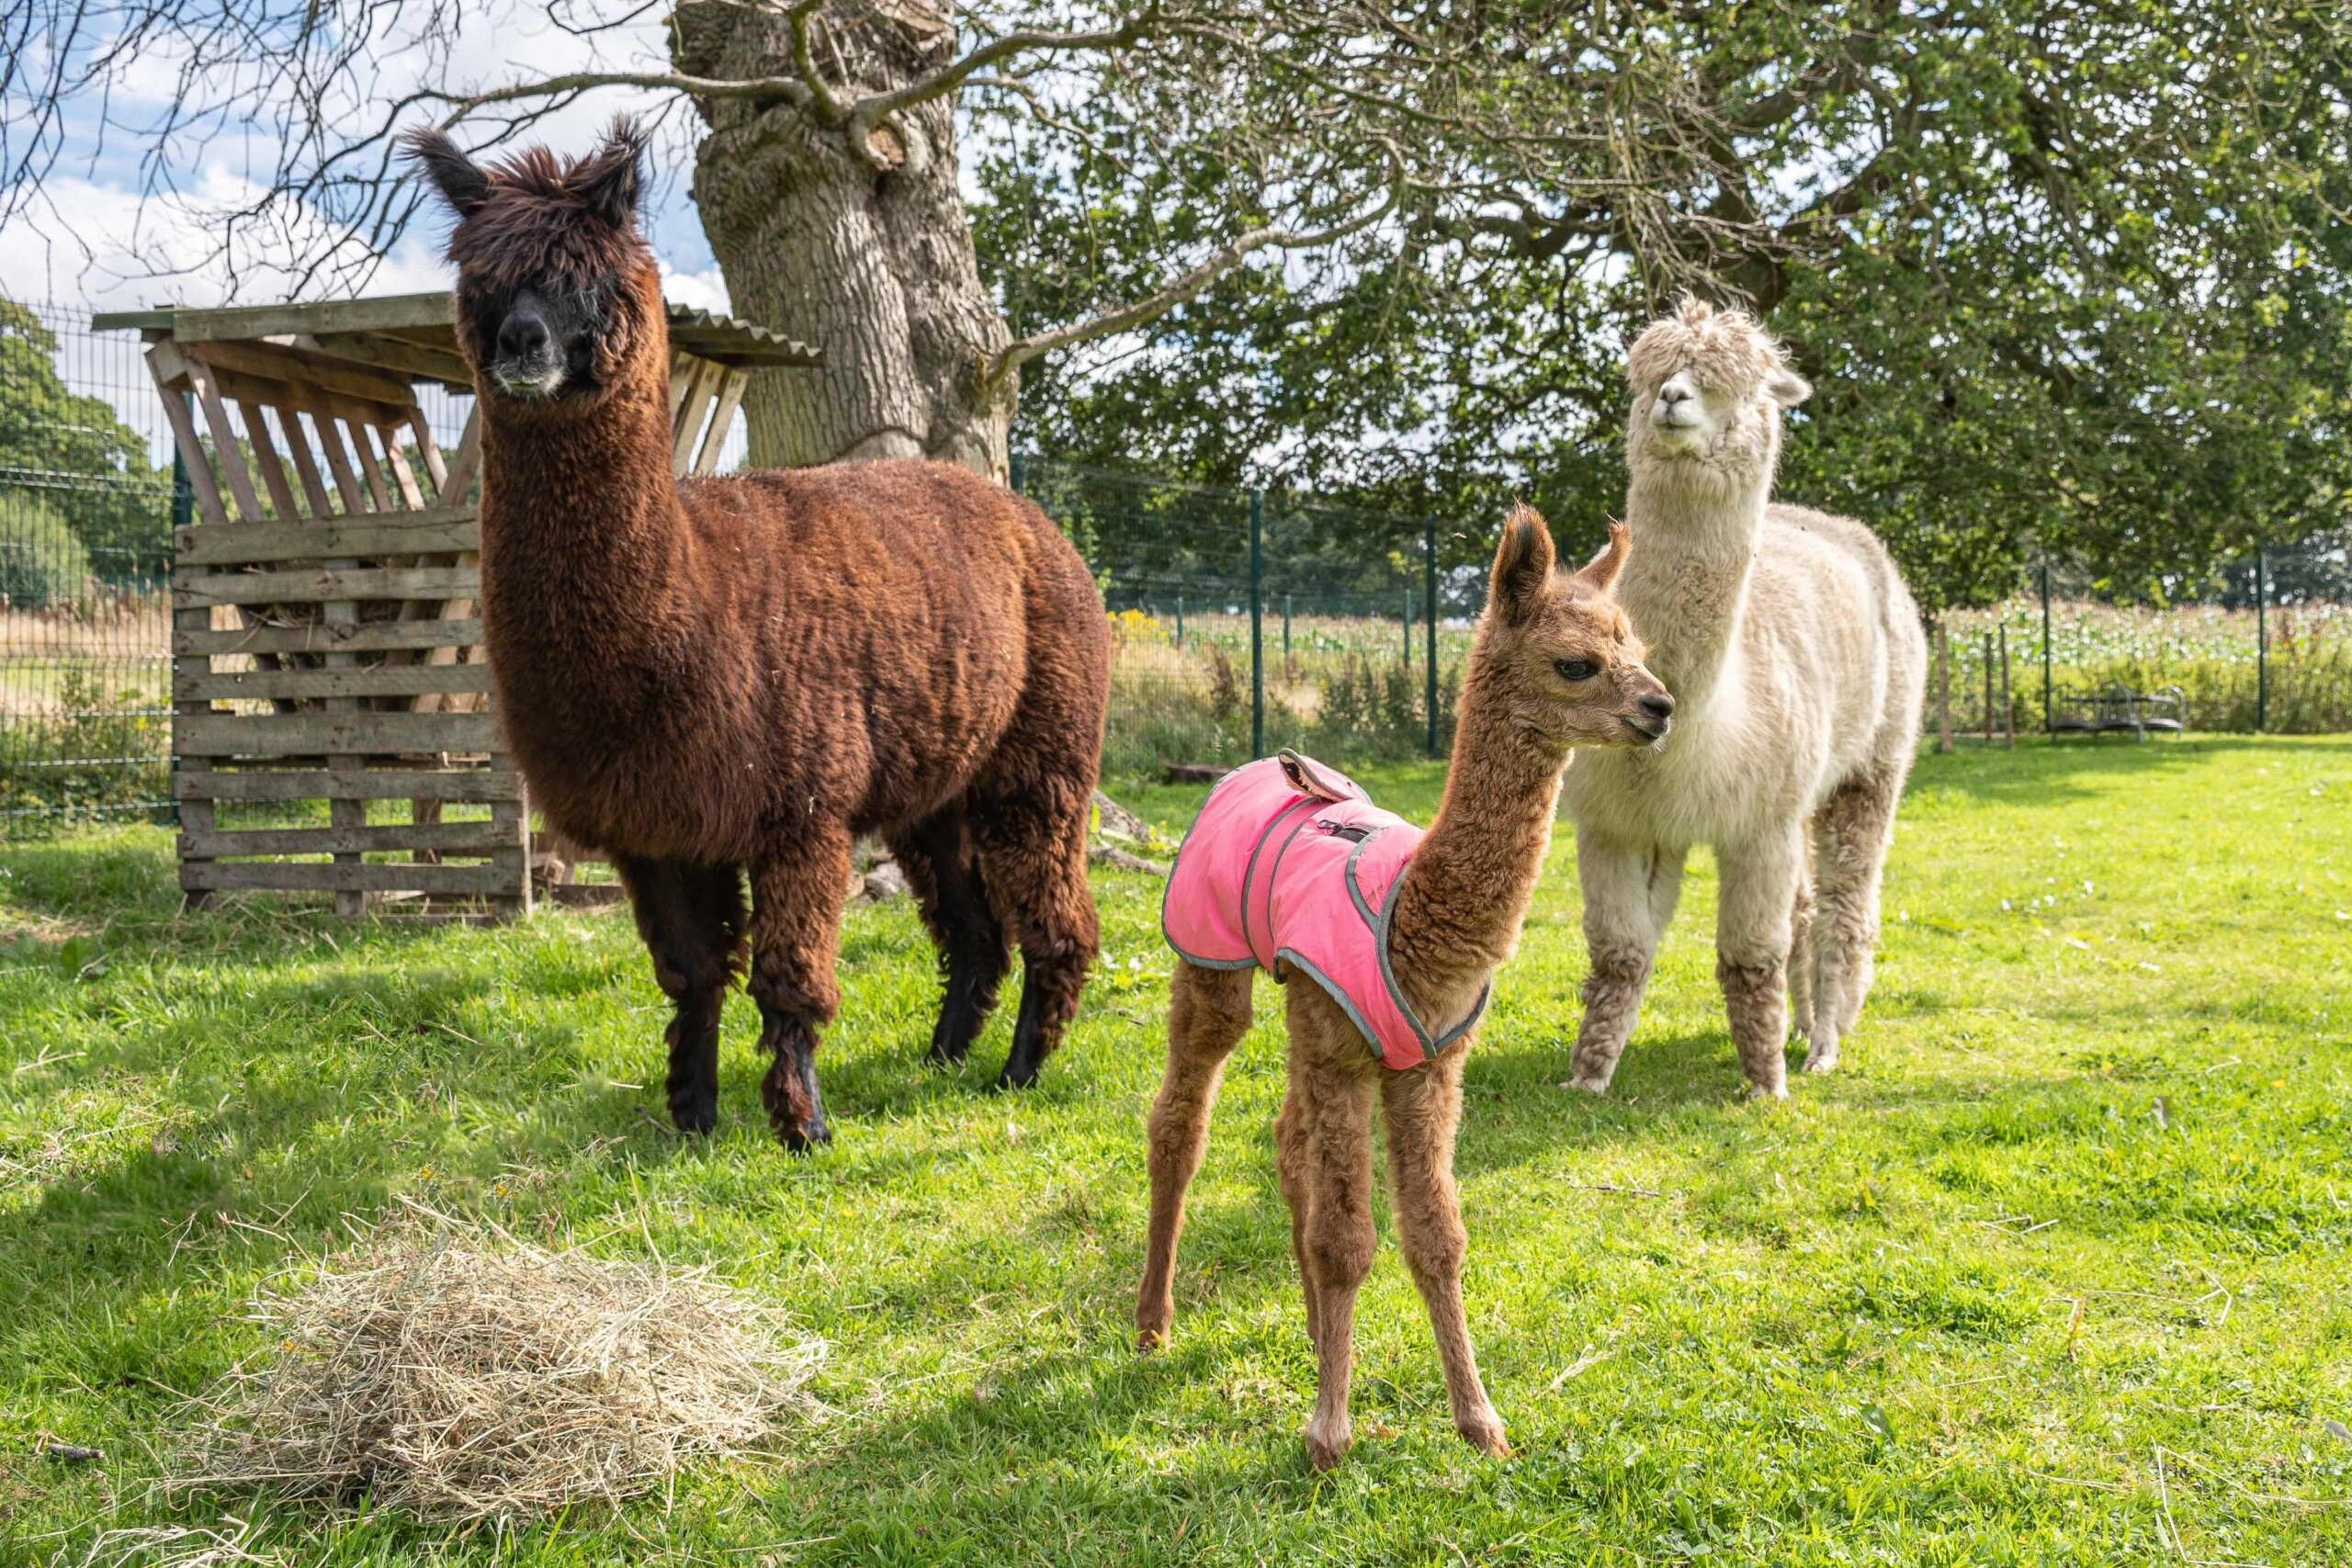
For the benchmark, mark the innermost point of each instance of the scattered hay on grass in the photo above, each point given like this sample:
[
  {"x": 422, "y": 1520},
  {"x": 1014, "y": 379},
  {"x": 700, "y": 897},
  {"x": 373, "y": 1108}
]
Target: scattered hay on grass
[{"x": 458, "y": 1375}]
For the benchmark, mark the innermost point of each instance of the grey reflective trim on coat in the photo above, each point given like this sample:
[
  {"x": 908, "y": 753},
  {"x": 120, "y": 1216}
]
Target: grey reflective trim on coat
[
  {"x": 1290, "y": 955},
  {"x": 1380, "y": 924},
  {"x": 1249, "y": 872}
]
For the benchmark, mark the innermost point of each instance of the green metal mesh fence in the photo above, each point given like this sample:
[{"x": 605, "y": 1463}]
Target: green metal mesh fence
[
  {"x": 1243, "y": 621},
  {"x": 1246, "y": 621}
]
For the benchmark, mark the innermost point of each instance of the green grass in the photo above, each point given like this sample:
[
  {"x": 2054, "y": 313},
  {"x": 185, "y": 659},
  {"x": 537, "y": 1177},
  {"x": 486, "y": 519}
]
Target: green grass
[{"x": 1844, "y": 1332}]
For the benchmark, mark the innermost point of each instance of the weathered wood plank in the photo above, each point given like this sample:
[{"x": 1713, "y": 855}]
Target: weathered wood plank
[
  {"x": 307, "y": 876},
  {"x": 191, "y": 589},
  {"x": 225, "y": 444},
  {"x": 414, "y": 360},
  {"x": 258, "y": 544},
  {"x": 394, "y": 312},
  {"x": 314, "y": 783},
  {"x": 331, "y": 734},
  {"x": 365, "y": 637},
  {"x": 165, "y": 363},
  {"x": 448, "y": 838},
  {"x": 385, "y": 681},
  {"x": 730, "y": 395}
]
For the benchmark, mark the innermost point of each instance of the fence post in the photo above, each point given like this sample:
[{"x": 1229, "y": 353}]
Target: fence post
[
  {"x": 2046, "y": 716},
  {"x": 1943, "y": 689},
  {"x": 1180, "y": 620},
  {"x": 1408, "y": 624},
  {"x": 1019, "y": 472},
  {"x": 1428, "y": 625},
  {"x": 183, "y": 495},
  {"x": 1257, "y": 635},
  {"x": 1286, "y": 625},
  {"x": 2261, "y": 638}
]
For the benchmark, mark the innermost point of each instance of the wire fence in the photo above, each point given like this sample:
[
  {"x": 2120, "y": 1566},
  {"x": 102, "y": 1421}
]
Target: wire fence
[{"x": 1243, "y": 620}]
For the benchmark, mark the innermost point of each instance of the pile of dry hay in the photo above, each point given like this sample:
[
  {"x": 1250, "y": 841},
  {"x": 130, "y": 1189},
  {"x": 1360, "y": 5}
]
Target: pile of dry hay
[{"x": 461, "y": 1377}]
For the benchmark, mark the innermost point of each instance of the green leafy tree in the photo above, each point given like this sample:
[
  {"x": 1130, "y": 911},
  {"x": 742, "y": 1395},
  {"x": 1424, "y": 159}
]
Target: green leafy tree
[
  {"x": 2070, "y": 275},
  {"x": 68, "y": 460}
]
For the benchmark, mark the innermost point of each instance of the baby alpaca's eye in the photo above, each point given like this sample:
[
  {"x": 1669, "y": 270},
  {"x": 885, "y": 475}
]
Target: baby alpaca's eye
[{"x": 1577, "y": 669}]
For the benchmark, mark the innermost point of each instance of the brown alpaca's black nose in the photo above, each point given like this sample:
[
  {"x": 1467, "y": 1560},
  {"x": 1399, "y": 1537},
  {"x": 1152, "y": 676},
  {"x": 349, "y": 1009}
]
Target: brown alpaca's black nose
[
  {"x": 522, "y": 335},
  {"x": 1659, "y": 707}
]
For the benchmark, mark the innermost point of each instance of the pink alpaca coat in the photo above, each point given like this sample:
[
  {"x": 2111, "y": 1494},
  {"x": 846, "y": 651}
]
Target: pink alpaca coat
[{"x": 1290, "y": 863}]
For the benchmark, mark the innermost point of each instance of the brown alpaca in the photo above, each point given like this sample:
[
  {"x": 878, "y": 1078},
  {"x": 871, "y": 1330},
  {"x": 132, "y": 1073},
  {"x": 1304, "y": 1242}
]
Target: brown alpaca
[
  {"x": 1554, "y": 666},
  {"x": 704, "y": 678}
]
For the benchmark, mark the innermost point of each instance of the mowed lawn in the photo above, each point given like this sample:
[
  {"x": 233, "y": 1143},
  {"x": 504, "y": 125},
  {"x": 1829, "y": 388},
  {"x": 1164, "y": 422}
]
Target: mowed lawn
[{"x": 2053, "y": 1270}]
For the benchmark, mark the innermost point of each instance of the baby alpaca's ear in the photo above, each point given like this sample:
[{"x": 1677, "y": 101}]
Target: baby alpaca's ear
[
  {"x": 1523, "y": 564},
  {"x": 1602, "y": 574}
]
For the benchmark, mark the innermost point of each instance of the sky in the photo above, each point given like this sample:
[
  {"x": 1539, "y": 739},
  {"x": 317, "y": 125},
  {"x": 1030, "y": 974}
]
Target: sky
[{"x": 92, "y": 239}]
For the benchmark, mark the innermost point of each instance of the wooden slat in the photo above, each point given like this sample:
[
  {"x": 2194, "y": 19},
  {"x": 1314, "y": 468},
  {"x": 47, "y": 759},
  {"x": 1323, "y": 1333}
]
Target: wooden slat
[
  {"x": 306, "y": 464},
  {"x": 163, "y": 363},
  {"x": 225, "y": 446},
  {"x": 730, "y": 395},
  {"x": 278, "y": 393},
  {"x": 385, "y": 681},
  {"x": 481, "y": 837},
  {"x": 313, "y": 784},
  {"x": 686, "y": 421},
  {"x": 394, "y": 533},
  {"x": 331, "y": 442},
  {"x": 430, "y": 452},
  {"x": 331, "y": 734},
  {"x": 465, "y": 464},
  {"x": 315, "y": 877},
  {"x": 273, "y": 472},
  {"x": 367, "y": 637},
  {"x": 190, "y": 589},
  {"x": 360, "y": 421},
  {"x": 396, "y": 313},
  {"x": 291, "y": 366},
  {"x": 412, "y": 359},
  {"x": 403, "y": 476}
]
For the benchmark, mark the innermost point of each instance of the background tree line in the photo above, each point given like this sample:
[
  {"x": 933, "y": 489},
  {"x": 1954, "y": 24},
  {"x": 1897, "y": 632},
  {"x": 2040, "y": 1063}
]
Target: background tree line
[{"x": 2070, "y": 275}]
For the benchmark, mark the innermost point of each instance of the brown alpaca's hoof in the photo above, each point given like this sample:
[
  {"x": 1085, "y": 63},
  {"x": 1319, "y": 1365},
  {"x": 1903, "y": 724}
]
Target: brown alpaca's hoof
[{"x": 796, "y": 1110}]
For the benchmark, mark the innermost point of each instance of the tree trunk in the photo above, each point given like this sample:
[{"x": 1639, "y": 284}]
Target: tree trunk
[{"x": 873, "y": 264}]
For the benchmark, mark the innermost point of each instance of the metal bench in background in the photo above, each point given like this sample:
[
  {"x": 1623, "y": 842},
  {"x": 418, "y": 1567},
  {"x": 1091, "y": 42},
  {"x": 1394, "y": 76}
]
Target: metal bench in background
[{"x": 2118, "y": 709}]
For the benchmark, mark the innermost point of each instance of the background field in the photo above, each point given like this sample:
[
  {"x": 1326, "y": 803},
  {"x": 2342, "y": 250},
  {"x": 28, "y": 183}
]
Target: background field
[{"x": 2110, "y": 1064}]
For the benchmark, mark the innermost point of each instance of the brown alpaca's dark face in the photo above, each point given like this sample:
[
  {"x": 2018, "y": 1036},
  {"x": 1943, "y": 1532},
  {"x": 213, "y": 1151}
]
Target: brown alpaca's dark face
[{"x": 552, "y": 275}]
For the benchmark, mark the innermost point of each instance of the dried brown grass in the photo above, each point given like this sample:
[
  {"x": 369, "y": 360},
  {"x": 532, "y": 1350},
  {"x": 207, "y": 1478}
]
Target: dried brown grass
[{"x": 458, "y": 1375}]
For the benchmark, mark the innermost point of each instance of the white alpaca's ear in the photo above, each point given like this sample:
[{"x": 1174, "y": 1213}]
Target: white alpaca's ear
[
  {"x": 1787, "y": 387},
  {"x": 1602, "y": 573},
  {"x": 1523, "y": 564}
]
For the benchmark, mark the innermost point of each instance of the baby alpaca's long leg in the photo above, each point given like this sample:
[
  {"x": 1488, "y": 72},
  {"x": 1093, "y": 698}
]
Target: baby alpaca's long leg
[
  {"x": 1336, "y": 1170},
  {"x": 1208, "y": 1011},
  {"x": 1422, "y": 1109}
]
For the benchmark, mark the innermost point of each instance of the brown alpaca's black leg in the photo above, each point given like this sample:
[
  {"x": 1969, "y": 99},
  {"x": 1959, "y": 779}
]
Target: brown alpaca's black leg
[
  {"x": 1033, "y": 854},
  {"x": 796, "y": 937},
  {"x": 941, "y": 865},
  {"x": 691, "y": 918}
]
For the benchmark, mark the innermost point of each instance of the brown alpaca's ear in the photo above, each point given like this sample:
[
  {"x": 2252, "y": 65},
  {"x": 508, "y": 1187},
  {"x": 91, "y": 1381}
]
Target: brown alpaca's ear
[
  {"x": 1523, "y": 564},
  {"x": 609, "y": 180},
  {"x": 461, "y": 180},
  {"x": 1602, "y": 574}
]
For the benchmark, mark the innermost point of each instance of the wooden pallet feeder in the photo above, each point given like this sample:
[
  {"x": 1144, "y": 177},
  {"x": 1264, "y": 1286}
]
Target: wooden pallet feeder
[{"x": 326, "y": 652}]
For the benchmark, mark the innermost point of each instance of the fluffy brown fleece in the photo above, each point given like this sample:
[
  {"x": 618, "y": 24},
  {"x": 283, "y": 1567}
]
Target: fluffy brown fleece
[
  {"x": 733, "y": 675},
  {"x": 1457, "y": 919}
]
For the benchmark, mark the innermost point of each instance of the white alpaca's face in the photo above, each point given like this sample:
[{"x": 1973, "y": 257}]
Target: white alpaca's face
[
  {"x": 1709, "y": 388},
  {"x": 1686, "y": 416}
]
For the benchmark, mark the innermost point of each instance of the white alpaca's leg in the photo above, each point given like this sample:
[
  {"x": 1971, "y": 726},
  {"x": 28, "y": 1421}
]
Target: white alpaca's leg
[
  {"x": 1629, "y": 896},
  {"x": 1753, "y": 928},
  {"x": 1850, "y": 839},
  {"x": 1801, "y": 990}
]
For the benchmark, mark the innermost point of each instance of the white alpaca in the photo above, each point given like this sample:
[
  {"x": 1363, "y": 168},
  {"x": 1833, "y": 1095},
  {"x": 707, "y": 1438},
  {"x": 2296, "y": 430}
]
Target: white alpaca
[{"x": 1797, "y": 664}]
